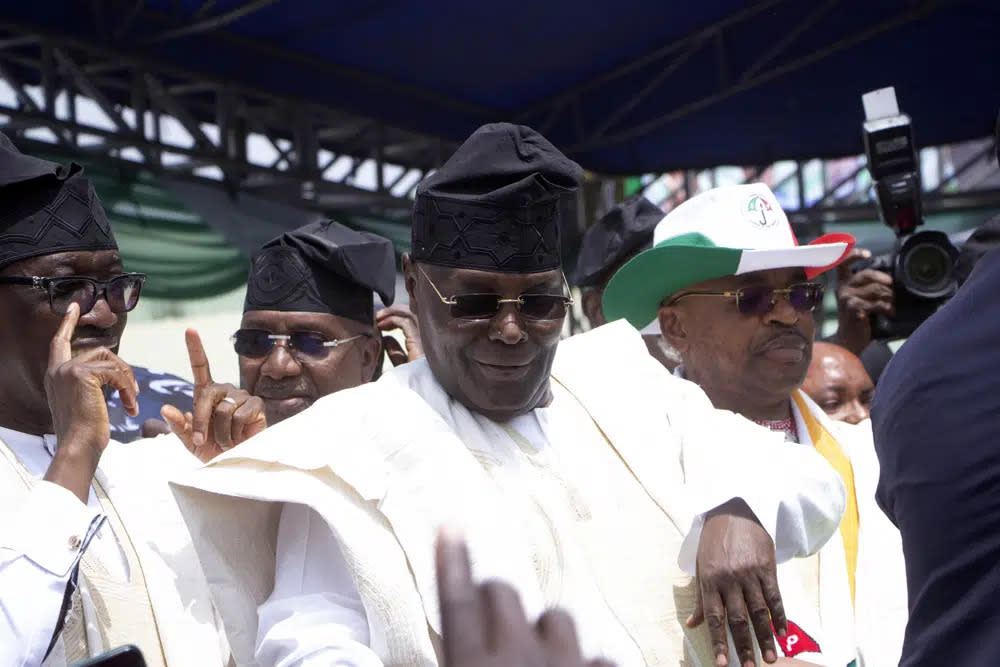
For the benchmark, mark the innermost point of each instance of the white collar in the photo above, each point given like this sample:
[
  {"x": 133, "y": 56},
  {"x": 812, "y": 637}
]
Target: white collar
[{"x": 21, "y": 440}]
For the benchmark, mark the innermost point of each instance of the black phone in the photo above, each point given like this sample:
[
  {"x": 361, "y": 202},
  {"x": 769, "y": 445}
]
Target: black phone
[{"x": 123, "y": 656}]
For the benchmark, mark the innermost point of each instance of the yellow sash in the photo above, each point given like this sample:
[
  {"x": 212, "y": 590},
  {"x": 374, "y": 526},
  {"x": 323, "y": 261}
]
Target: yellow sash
[{"x": 830, "y": 449}]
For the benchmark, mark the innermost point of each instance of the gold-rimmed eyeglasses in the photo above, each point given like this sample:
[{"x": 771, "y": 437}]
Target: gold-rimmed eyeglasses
[
  {"x": 485, "y": 306},
  {"x": 760, "y": 299}
]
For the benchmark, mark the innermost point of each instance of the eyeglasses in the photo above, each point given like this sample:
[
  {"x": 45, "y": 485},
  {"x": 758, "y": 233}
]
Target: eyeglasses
[
  {"x": 121, "y": 292},
  {"x": 486, "y": 306},
  {"x": 760, "y": 299},
  {"x": 258, "y": 343}
]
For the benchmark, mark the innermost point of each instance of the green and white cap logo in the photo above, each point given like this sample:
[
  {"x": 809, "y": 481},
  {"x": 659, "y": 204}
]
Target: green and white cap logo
[{"x": 760, "y": 212}]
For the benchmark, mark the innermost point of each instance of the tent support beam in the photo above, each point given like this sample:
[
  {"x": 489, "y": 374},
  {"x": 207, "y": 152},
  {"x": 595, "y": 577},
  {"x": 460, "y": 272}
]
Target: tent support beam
[
  {"x": 641, "y": 129},
  {"x": 207, "y": 25},
  {"x": 138, "y": 144}
]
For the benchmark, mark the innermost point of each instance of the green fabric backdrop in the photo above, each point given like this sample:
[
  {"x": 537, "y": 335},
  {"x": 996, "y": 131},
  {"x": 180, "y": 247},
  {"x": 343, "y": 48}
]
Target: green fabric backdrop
[{"x": 183, "y": 256}]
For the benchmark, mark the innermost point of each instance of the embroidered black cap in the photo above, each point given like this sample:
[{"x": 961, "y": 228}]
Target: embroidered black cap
[{"x": 494, "y": 205}]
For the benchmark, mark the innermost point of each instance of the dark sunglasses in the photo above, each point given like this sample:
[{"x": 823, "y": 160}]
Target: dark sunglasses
[
  {"x": 760, "y": 299},
  {"x": 258, "y": 343},
  {"x": 121, "y": 292},
  {"x": 486, "y": 306}
]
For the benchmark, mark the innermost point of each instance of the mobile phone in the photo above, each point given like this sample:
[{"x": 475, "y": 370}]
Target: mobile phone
[{"x": 123, "y": 656}]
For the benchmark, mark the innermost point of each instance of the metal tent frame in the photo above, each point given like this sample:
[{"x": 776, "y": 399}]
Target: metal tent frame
[
  {"x": 135, "y": 95},
  {"x": 320, "y": 149}
]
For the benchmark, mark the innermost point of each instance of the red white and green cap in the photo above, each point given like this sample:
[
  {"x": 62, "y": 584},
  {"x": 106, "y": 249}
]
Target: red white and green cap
[{"x": 726, "y": 231}]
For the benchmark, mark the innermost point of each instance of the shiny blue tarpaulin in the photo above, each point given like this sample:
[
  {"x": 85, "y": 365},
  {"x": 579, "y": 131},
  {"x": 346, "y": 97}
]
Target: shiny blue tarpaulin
[{"x": 628, "y": 86}]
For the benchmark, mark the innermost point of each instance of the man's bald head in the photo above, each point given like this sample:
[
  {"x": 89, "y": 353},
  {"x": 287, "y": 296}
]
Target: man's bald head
[{"x": 839, "y": 384}]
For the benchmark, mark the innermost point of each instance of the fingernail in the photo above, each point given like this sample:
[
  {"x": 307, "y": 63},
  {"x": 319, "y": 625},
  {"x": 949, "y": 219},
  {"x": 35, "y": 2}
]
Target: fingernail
[
  {"x": 199, "y": 439},
  {"x": 450, "y": 534},
  {"x": 770, "y": 656},
  {"x": 782, "y": 632},
  {"x": 689, "y": 621}
]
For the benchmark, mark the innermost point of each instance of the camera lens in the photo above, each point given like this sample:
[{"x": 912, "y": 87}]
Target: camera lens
[{"x": 926, "y": 269}]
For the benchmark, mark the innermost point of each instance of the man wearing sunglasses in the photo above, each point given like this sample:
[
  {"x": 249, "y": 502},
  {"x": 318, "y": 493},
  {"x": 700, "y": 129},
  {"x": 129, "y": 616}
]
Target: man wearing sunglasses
[
  {"x": 308, "y": 330},
  {"x": 733, "y": 292},
  {"x": 564, "y": 471},
  {"x": 91, "y": 543}
]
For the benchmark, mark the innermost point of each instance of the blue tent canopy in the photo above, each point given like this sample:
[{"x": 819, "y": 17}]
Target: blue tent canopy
[{"x": 625, "y": 87}]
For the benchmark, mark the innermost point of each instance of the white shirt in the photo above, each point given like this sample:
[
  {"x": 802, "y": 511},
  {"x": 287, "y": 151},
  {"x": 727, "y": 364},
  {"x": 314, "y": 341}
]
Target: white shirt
[
  {"x": 314, "y": 616},
  {"x": 41, "y": 542}
]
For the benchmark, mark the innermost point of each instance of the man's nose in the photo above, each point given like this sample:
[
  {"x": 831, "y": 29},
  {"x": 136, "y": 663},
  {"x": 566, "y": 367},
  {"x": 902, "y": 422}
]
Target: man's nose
[
  {"x": 507, "y": 326},
  {"x": 280, "y": 362},
  {"x": 100, "y": 316},
  {"x": 857, "y": 412},
  {"x": 782, "y": 312}
]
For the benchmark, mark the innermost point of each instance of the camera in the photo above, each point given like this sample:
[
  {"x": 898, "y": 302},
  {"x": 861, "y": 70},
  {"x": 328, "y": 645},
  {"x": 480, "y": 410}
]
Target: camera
[{"x": 922, "y": 264}]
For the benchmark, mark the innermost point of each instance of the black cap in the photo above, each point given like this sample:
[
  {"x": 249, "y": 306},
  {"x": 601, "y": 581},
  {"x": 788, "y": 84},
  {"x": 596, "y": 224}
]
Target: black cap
[
  {"x": 494, "y": 205},
  {"x": 323, "y": 267},
  {"x": 621, "y": 233},
  {"x": 47, "y": 208}
]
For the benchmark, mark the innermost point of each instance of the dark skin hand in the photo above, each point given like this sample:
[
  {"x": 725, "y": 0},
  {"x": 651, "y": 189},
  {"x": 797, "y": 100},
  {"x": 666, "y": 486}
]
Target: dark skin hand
[
  {"x": 402, "y": 318},
  {"x": 224, "y": 415},
  {"x": 75, "y": 386},
  {"x": 738, "y": 581},
  {"x": 485, "y": 626},
  {"x": 860, "y": 296}
]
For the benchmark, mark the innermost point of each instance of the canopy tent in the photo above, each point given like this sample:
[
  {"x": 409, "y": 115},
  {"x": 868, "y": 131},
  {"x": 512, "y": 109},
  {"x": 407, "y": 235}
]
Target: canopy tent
[
  {"x": 630, "y": 87},
  {"x": 625, "y": 87}
]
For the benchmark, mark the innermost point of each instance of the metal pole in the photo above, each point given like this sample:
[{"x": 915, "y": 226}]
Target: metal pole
[{"x": 800, "y": 182}]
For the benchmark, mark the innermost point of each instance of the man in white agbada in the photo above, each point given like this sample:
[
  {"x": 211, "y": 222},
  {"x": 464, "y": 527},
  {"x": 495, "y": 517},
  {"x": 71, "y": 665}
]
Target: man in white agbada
[
  {"x": 308, "y": 329},
  {"x": 733, "y": 293},
  {"x": 569, "y": 474},
  {"x": 93, "y": 553}
]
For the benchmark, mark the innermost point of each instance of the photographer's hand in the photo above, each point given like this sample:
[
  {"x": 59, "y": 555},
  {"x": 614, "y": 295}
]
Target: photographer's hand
[{"x": 860, "y": 296}]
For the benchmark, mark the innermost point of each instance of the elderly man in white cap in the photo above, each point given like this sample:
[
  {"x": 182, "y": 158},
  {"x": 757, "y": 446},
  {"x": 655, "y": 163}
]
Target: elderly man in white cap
[{"x": 733, "y": 292}]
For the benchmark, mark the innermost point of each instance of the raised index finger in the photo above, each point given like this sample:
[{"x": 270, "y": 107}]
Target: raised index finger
[
  {"x": 61, "y": 348},
  {"x": 200, "y": 371}
]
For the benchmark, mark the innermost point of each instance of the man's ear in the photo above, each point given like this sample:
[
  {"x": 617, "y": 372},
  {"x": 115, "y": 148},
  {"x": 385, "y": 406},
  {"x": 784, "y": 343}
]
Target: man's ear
[
  {"x": 672, "y": 328},
  {"x": 410, "y": 279},
  {"x": 371, "y": 357}
]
